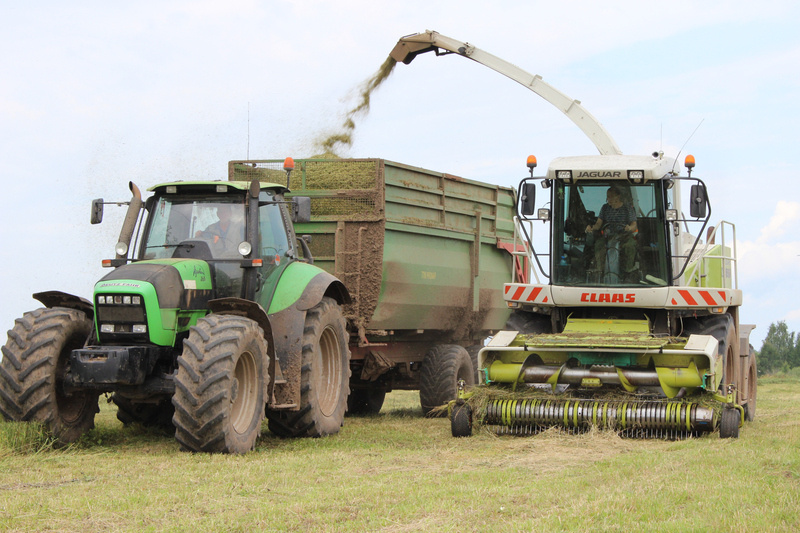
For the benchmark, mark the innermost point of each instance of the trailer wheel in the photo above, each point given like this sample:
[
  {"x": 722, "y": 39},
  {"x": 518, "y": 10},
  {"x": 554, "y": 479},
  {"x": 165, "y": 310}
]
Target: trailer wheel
[
  {"x": 365, "y": 401},
  {"x": 751, "y": 386},
  {"x": 461, "y": 421},
  {"x": 157, "y": 415},
  {"x": 443, "y": 366},
  {"x": 35, "y": 362},
  {"x": 219, "y": 385},
  {"x": 324, "y": 378},
  {"x": 729, "y": 424}
]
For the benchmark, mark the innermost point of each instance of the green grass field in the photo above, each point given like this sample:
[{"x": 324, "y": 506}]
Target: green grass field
[{"x": 399, "y": 472}]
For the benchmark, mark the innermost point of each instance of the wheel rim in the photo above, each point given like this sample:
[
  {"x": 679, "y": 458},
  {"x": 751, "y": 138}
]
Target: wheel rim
[
  {"x": 328, "y": 386},
  {"x": 244, "y": 393}
]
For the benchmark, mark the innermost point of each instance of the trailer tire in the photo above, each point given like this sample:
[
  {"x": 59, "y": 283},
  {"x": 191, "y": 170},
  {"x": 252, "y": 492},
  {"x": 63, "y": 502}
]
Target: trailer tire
[
  {"x": 366, "y": 401},
  {"x": 324, "y": 376},
  {"x": 219, "y": 385},
  {"x": 729, "y": 423},
  {"x": 461, "y": 420},
  {"x": 35, "y": 361},
  {"x": 155, "y": 415},
  {"x": 443, "y": 366}
]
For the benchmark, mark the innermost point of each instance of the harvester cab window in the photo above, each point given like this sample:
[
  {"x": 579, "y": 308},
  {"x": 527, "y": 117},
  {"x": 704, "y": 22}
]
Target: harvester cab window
[{"x": 608, "y": 233}]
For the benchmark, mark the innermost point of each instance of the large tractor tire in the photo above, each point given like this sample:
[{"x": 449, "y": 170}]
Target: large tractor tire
[
  {"x": 35, "y": 361},
  {"x": 324, "y": 378},
  {"x": 155, "y": 415},
  {"x": 442, "y": 368},
  {"x": 219, "y": 386}
]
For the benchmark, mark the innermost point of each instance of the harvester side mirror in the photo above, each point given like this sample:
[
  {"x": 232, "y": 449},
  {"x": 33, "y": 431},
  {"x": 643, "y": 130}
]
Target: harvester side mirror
[
  {"x": 97, "y": 211},
  {"x": 528, "y": 199},
  {"x": 301, "y": 209},
  {"x": 697, "y": 209}
]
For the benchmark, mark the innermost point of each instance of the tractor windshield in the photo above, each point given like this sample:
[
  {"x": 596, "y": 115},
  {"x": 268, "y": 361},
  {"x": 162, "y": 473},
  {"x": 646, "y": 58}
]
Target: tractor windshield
[
  {"x": 609, "y": 233},
  {"x": 215, "y": 228}
]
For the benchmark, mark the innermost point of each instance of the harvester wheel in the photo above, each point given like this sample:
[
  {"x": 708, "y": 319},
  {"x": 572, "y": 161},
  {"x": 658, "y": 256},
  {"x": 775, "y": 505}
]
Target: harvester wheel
[
  {"x": 729, "y": 423},
  {"x": 443, "y": 366},
  {"x": 723, "y": 329},
  {"x": 365, "y": 401},
  {"x": 461, "y": 420},
  {"x": 324, "y": 378},
  {"x": 156, "y": 415},
  {"x": 35, "y": 362},
  {"x": 751, "y": 386},
  {"x": 219, "y": 386}
]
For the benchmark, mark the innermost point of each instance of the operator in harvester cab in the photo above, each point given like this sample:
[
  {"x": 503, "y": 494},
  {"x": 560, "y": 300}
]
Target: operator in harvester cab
[
  {"x": 224, "y": 235},
  {"x": 617, "y": 220}
]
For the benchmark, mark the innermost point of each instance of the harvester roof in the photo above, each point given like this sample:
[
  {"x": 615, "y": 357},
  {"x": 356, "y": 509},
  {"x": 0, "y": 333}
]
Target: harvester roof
[{"x": 589, "y": 167}]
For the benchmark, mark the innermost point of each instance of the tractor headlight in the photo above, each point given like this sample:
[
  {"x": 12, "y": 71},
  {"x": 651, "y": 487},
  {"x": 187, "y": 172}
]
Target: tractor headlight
[
  {"x": 245, "y": 248},
  {"x": 121, "y": 248}
]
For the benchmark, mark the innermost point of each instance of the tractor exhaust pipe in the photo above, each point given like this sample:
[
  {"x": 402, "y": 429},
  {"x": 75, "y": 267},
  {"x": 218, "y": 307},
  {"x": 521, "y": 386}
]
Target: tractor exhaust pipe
[{"x": 129, "y": 224}]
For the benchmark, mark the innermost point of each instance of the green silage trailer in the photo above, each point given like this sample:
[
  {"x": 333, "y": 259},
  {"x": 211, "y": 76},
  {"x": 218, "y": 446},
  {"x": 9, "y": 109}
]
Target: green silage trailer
[{"x": 423, "y": 255}]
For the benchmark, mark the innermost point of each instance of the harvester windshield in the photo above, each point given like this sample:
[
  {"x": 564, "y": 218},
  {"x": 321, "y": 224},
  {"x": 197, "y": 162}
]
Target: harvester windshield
[{"x": 609, "y": 234}]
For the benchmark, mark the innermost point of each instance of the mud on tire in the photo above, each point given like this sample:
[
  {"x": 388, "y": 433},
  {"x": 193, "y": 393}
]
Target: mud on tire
[
  {"x": 324, "y": 378},
  {"x": 219, "y": 386},
  {"x": 35, "y": 361},
  {"x": 443, "y": 366}
]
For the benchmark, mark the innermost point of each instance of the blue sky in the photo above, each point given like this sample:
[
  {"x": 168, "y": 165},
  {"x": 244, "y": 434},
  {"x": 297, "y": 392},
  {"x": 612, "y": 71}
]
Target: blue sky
[{"x": 97, "y": 94}]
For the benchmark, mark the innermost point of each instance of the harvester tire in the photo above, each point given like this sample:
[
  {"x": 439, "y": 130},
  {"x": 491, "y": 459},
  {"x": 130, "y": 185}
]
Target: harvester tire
[
  {"x": 155, "y": 415},
  {"x": 723, "y": 329},
  {"x": 219, "y": 385},
  {"x": 365, "y": 401},
  {"x": 461, "y": 420},
  {"x": 729, "y": 423},
  {"x": 35, "y": 362},
  {"x": 324, "y": 376},
  {"x": 751, "y": 386},
  {"x": 442, "y": 368}
]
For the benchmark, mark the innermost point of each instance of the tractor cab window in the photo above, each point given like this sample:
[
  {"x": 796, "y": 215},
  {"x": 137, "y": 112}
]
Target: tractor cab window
[
  {"x": 273, "y": 234},
  {"x": 609, "y": 233},
  {"x": 211, "y": 229}
]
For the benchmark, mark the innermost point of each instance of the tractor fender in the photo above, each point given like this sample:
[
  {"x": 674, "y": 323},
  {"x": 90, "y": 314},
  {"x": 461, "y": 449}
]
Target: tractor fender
[
  {"x": 52, "y": 299},
  {"x": 301, "y": 287}
]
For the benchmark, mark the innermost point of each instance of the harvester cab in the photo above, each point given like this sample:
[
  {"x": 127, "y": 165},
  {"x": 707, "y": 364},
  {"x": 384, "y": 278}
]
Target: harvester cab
[
  {"x": 212, "y": 320},
  {"x": 628, "y": 321}
]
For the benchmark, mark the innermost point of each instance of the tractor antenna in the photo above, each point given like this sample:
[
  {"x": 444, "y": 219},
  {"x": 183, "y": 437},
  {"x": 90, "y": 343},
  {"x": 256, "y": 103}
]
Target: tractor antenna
[
  {"x": 677, "y": 157},
  {"x": 248, "y": 131}
]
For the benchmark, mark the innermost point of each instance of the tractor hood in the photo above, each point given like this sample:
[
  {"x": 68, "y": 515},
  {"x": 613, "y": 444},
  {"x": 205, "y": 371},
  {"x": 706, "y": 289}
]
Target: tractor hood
[{"x": 178, "y": 283}]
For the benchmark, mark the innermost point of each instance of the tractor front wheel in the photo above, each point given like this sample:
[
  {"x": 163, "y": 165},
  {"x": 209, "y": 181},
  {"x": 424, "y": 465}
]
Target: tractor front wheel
[
  {"x": 219, "y": 386},
  {"x": 35, "y": 363}
]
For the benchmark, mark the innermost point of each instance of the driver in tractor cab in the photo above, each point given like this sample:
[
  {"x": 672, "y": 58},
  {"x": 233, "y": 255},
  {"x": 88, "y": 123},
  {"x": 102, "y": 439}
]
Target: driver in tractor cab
[
  {"x": 617, "y": 221},
  {"x": 224, "y": 235}
]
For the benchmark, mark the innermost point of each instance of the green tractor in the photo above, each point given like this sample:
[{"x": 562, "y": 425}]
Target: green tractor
[{"x": 215, "y": 320}]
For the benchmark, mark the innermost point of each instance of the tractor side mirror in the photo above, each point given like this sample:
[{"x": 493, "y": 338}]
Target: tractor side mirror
[
  {"x": 301, "y": 209},
  {"x": 97, "y": 211},
  {"x": 698, "y": 199},
  {"x": 527, "y": 199}
]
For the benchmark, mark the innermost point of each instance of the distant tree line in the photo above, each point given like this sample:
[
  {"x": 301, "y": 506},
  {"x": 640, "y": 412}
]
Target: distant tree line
[{"x": 780, "y": 351}]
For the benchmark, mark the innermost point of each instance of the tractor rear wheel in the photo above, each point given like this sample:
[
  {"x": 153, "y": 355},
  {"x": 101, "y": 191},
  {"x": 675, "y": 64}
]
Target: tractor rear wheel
[
  {"x": 219, "y": 386},
  {"x": 324, "y": 376},
  {"x": 442, "y": 368},
  {"x": 35, "y": 362}
]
